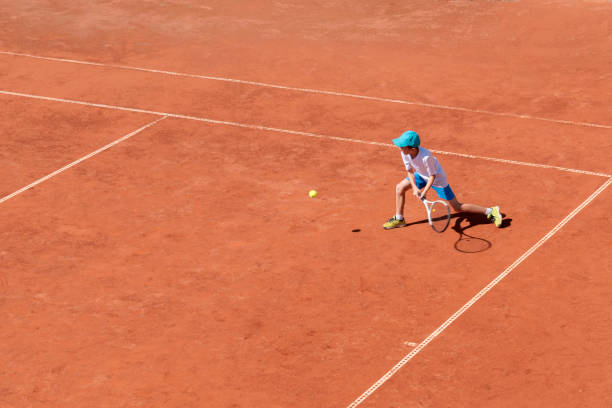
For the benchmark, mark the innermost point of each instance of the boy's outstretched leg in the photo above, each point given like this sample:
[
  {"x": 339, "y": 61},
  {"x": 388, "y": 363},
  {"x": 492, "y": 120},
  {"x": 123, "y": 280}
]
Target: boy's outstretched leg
[{"x": 493, "y": 214}]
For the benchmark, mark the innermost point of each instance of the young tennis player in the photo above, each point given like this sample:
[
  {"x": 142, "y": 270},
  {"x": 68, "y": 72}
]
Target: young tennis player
[{"x": 424, "y": 173}]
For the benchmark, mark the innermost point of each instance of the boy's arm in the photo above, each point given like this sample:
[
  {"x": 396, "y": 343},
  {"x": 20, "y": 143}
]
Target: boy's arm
[
  {"x": 415, "y": 190},
  {"x": 427, "y": 186}
]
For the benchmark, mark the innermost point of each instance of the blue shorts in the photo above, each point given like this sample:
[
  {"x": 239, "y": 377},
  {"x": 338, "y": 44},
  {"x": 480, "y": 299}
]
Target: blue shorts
[{"x": 444, "y": 193}]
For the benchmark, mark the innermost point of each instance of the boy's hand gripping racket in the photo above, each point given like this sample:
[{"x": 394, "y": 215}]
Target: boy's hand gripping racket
[{"x": 438, "y": 214}]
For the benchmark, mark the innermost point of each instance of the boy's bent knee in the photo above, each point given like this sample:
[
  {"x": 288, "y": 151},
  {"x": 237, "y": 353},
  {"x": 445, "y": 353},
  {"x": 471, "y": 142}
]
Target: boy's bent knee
[{"x": 401, "y": 187}]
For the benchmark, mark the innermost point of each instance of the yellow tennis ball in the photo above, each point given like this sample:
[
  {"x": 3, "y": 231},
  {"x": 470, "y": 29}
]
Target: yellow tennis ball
[{"x": 312, "y": 193}]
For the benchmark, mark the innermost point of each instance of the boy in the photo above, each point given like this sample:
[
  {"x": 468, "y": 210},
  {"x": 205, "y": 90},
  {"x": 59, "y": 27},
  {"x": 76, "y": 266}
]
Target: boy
[{"x": 425, "y": 172}]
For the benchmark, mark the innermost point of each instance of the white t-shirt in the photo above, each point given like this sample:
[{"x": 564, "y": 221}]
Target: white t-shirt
[{"x": 425, "y": 164}]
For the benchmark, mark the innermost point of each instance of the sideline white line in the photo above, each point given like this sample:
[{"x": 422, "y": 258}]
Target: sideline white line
[
  {"x": 315, "y": 91},
  {"x": 479, "y": 295},
  {"x": 74, "y": 163},
  {"x": 292, "y": 132}
]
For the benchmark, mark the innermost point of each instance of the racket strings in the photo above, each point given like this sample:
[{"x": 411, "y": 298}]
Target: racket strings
[{"x": 440, "y": 216}]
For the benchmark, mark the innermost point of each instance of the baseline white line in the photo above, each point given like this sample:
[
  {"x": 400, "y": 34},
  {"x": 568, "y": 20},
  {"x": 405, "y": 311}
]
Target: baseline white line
[
  {"x": 315, "y": 91},
  {"x": 479, "y": 295},
  {"x": 74, "y": 163},
  {"x": 292, "y": 132}
]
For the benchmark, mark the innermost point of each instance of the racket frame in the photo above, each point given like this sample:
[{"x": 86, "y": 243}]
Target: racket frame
[{"x": 428, "y": 206}]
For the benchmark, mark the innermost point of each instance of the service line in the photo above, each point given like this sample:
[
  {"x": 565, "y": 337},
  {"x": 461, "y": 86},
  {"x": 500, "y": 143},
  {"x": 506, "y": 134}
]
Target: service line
[
  {"x": 314, "y": 91},
  {"x": 74, "y": 163},
  {"x": 476, "y": 297},
  {"x": 292, "y": 132}
]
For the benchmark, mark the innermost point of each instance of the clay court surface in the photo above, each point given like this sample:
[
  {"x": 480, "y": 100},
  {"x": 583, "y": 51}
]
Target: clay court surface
[{"x": 159, "y": 248}]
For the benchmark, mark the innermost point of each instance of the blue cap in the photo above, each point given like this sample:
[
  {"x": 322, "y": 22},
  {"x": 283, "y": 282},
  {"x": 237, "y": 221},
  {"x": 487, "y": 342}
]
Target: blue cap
[{"x": 409, "y": 138}]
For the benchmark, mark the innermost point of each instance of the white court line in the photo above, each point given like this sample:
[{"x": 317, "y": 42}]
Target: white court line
[
  {"x": 479, "y": 295},
  {"x": 292, "y": 132},
  {"x": 521, "y": 163},
  {"x": 315, "y": 91},
  {"x": 74, "y": 163}
]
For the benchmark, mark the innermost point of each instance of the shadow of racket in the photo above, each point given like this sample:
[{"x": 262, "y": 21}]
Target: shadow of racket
[{"x": 467, "y": 243}]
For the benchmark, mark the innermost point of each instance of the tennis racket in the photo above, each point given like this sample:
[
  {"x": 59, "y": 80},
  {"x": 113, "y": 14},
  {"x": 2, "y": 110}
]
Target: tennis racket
[{"x": 438, "y": 214}]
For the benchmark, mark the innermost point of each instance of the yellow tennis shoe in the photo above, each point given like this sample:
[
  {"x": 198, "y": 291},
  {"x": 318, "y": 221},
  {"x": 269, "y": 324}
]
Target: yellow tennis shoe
[
  {"x": 394, "y": 223},
  {"x": 495, "y": 216}
]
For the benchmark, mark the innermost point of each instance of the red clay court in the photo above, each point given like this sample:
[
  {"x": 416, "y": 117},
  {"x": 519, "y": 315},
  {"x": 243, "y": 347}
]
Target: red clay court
[{"x": 159, "y": 248}]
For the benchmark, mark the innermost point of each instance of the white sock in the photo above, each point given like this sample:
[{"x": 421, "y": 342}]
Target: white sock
[
  {"x": 399, "y": 217},
  {"x": 489, "y": 211}
]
